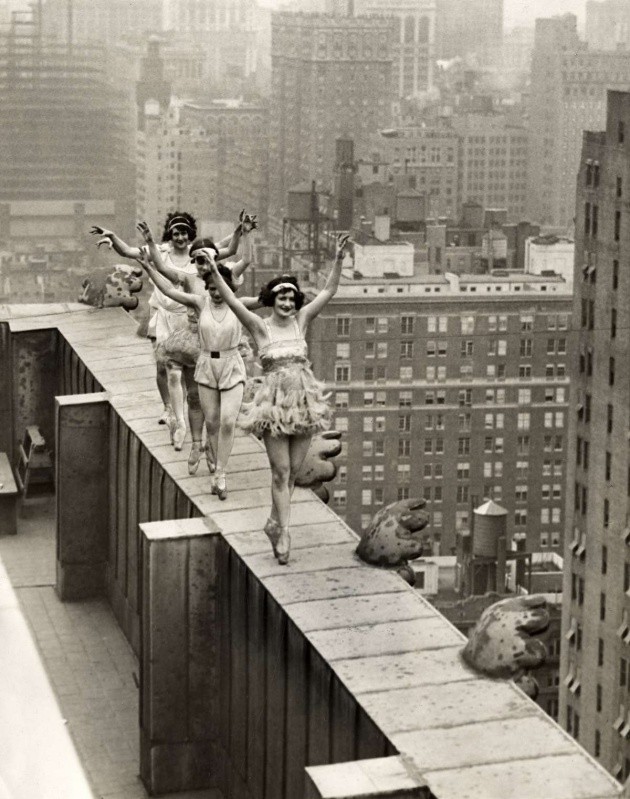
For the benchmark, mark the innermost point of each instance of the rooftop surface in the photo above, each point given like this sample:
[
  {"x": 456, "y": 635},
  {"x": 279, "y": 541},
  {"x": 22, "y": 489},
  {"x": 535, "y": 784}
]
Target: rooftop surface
[{"x": 468, "y": 736}]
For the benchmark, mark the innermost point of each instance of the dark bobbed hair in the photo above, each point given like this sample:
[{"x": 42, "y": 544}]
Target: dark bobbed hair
[
  {"x": 267, "y": 296},
  {"x": 203, "y": 243},
  {"x": 226, "y": 274},
  {"x": 187, "y": 220}
]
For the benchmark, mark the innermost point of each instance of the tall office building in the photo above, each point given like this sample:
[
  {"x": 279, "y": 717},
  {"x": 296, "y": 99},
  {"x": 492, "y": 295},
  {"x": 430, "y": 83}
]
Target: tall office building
[
  {"x": 104, "y": 21},
  {"x": 594, "y": 695},
  {"x": 440, "y": 392},
  {"x": 425, "y": 155},
  {"x": 607, "y": 24},
  {"x": 331, "y": 77},
  {"x": 568, "y": 95},
  {"x": 414, "y": 48},
  {"x": 492, "y": 163},
  {"x": 224, "y": 159},
  {"x": 469, "y": 28},
  {"x": 67, "y": 132}
]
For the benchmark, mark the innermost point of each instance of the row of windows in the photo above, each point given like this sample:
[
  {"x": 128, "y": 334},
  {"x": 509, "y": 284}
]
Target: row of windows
[
  {"x": 378, "y": 373},
  {"x": 440, "y": 324},
  {"x": 378, "y": 424},
  {"x": 498, "y": 396},
  {"x": 433, "y": 348}
]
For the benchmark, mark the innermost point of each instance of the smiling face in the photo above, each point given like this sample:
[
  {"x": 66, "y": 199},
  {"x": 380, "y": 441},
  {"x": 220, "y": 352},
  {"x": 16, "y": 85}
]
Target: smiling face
[
  {"x": 180, "y": 237},
  {"x": 284, "y": 304}
]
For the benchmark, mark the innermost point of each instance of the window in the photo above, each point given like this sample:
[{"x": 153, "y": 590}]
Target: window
[
  {"x": 341, "y": 424},
  {"x": 366, "y": 496},
  {"x": 526, "y": 347},
  {"x": 524, "y": 396},
  {"x": 402, "y": 493},
  {"x": 343, "y": 325},
  {"x": 462, "y": 493},
  {"x": 600, "y": 652},
  {"x": 406, "y": 349},
  {"x": 404, "y": 447},
  {"x": 606, "y": 513},
  {"x": 527, "y": 322},
  {"x": 404, "y": 472},
  {"x": 522, "y": 445},
  {"x": 404, "y": 423},
  {"x": 341, "y": 399},
  {"x": 381, "y": 349},
  {"x": 522, "y": 421},
  {"x": 611, "y": 371},
  {"x": 468, "y": 325},
  {"x": 339, "y": 497},
  {"x": 463, "y": 446},
  {"x": 467, "y": 348},
  {"x": 598, "y": 698},
  {"x": 382, "y": 324},
  {"x": 615, "y": 275},
  {"x": 343, "y": 350},
  {"x": 602, "y": 606},
  {"x": 342, "y": 373},
  {"x": 617, "y": 225},
  {"x": 405, "y": 398},
  {"x": 370, "y": 324},
  {"x": 609, "y": 420},
  {"x": 406, "y": 325},
  {"x": 463, "y": 471},
  {"x": 406, "y": 373}
]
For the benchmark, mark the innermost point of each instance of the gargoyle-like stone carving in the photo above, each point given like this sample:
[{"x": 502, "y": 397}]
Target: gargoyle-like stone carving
[
  {"x": 115, "y": 291},
  {"x": 393, "y": 538},
  {"x": 504, "y": 641},
  {"x": 318, "y": 466}
]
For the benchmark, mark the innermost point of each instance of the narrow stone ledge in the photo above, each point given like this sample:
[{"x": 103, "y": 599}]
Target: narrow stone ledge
[{"x": 379, "y": 777}]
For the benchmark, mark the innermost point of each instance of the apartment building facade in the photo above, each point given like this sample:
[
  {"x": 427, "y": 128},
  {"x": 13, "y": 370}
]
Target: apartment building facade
[{"x": 441, "y": 394}]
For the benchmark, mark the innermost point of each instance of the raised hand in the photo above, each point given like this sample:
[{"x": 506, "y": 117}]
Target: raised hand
[
  {"x": 247, "y": 222},
  {"x": 97, "y": 230},
  {"x": 145, "y": 232},
  {"x": 342, "y": 241}
]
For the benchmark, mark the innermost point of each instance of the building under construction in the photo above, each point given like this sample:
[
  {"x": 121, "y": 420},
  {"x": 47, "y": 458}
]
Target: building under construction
[{"x": 68, "y": 130}]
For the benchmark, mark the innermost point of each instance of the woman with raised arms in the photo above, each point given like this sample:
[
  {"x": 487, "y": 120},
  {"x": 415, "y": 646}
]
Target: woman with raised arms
[{"x": 288, "y": 404}]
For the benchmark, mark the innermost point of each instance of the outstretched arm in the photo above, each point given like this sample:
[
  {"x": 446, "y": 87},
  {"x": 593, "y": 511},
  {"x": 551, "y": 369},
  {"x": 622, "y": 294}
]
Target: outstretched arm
[
  {"x": 229, "y": 245},
  {"x": 252, "y": 322},
  {"x": 156, "y": 256},
  {"x": 191, "y": 300},
  {"x": 310, "y": 311},
  {"x": 247, "y": 256},
  {"x": 114, "y": 242}
]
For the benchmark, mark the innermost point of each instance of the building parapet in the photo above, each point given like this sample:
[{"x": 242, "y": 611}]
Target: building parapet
[{"x": 251, "y": 671}]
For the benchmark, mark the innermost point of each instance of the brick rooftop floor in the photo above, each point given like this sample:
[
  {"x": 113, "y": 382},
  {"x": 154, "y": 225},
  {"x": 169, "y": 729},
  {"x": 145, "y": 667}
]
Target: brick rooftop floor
[{"x": 91, "y": 667}]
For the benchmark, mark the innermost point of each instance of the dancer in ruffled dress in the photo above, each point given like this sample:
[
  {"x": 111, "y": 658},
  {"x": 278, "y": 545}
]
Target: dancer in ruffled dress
[
  {"x": 220, "y": 371},
  {"x": 288, "y": 404}
]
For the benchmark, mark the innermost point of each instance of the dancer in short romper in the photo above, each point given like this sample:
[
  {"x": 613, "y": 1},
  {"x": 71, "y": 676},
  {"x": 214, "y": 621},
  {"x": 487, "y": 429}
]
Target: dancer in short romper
[
  {"x": 220, "y": 372},
  {"x": 288, "y": 404}
]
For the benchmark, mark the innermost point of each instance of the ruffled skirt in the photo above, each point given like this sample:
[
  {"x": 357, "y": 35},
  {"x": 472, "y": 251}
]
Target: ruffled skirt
[
  {"x": 182, "y": 346},
  {"x": 285, "y": 400}
]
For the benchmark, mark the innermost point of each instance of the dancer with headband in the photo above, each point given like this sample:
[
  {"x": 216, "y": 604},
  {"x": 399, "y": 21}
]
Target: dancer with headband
[
  {"x": 167, "y": 316},
  {"x": 220, "y": 371},
  {"x": 181, "y": 349},
  {"x": 288, "y": 404}
]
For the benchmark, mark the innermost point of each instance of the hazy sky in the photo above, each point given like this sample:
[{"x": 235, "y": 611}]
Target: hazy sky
[{"x": 517, "y": 12}]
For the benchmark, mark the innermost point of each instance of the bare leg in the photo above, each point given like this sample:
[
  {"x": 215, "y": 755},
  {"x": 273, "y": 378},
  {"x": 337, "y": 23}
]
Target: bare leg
[
  {"x": 230, "y": 405},
  {"x": 298, "y": 447},
  {"x": 195, "y": 418},
  {"x": 280, "y": 462},
  {"x": 176, "y": 391},
  {"x": 211, "y": 406},
  {"x": 162, "y": 383}
]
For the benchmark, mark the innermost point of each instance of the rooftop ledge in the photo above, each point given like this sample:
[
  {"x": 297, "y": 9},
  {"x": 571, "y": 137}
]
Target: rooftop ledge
[{"x": 379, "y": 657}]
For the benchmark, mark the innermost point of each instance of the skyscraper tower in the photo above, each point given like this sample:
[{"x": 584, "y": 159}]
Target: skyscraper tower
[
  {"x": 567, "y": 96},
  {"x": 414, "y": 47},
  {"x": 596, "y": 602},
  {"x": 331, "y": 77}
]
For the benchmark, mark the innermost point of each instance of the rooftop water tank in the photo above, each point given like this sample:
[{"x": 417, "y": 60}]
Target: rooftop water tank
[{"x": 490, "y": 525}]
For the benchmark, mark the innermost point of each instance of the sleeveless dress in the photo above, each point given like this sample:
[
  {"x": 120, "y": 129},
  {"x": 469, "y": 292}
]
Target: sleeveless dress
[
  {"x": 167, "y": 314},
  {"x": 220, "y": 364},
  {"x": 286, "y": 399}
]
